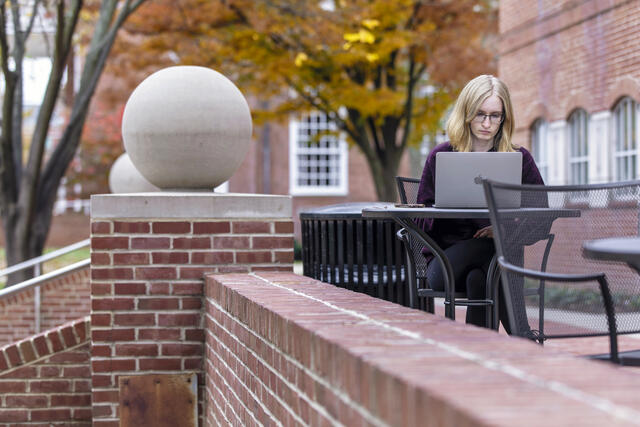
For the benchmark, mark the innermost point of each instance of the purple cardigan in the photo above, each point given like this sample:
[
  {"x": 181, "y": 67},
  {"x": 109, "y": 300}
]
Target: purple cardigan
[{"x": 446, "y": 232}]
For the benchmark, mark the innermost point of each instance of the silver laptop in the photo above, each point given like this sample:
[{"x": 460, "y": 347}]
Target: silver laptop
[{"x": 456, "y": 175}]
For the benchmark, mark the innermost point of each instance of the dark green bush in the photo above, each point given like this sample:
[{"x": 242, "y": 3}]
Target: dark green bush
[{"x": 297, "y": 250}]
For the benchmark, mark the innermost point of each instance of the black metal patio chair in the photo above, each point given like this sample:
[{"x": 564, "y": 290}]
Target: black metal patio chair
[
  {"x": 579, "y": 297},
  {"x": 420, "y": 294}
]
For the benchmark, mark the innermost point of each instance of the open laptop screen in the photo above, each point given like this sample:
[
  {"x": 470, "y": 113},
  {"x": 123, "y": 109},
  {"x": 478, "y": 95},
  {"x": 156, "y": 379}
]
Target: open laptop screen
[{"x": 456, "y": 174}]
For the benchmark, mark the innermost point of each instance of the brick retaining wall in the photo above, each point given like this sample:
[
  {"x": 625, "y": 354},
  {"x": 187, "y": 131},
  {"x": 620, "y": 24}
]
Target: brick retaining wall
[
  {"x": 62, "y": 300},
  {"x": 285, "y": 348},
  {"x": 46, "y": 379}
]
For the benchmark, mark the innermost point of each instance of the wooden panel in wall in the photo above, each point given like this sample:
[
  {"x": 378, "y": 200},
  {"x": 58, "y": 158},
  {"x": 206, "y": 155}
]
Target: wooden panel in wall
[{"x": 158, "y": 400}]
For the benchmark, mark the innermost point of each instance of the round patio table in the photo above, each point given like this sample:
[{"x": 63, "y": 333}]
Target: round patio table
[{"x": 624, "y": 249}]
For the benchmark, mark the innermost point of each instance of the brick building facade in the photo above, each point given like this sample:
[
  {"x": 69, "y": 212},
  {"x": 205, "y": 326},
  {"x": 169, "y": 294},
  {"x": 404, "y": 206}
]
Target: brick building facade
[
  {"x": 573, "y": 69},
  {"x": 275, "y": 164},
  {"x": 574, "y": 74}
]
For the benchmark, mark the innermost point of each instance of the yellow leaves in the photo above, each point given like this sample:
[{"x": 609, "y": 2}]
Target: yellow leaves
[
  {"x": 362, "y": 36},
  {"x": 301, "y": 58},
  {"x": 87, "y": 15},
  {"x": 352, "y": 37},
  {"x": 366, "y": 37},
  {"x": 427, "y": 27},
  {"x": 370, "y": 102},
  {"x": 370, "y": 24}
]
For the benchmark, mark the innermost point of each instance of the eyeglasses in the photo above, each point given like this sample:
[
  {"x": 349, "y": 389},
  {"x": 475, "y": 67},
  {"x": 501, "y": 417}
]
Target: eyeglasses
[{"x": 494, "y": 118}]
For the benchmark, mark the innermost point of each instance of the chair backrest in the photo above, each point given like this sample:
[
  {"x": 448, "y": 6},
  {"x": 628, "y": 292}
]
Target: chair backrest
[
  {"x": 407, "y": 189},
  {"x": 408, "y": 192},
  {"x": 571, "y": 215}
]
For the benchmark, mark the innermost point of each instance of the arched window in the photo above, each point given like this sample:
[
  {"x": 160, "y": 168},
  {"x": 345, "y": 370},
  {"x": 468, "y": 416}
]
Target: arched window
[
  {"x": 578, "y": 131},
  {"x": 626, "y": 141},
  {"x": 539, "y": 147}
]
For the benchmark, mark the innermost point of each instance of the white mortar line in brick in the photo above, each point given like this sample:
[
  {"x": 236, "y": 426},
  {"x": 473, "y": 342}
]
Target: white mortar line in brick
[
  {"x": 341, "y": 395},
  {"x": 110, "y": 418},
  {"x": 227, "y": 404},
  {"x": 40, "y": 359},
  {"x": 249, "y": 370},
  {"x": 215, "y": 401},
  {"x": 240, "y": 381},
  {"x": 211, "y": 396},
  {"x": 622, "y": 412}
]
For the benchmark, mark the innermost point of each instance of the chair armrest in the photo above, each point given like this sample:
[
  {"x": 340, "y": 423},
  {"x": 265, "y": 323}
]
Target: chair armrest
[
  {"x": 604, "y": 289},
  {"x": 549, "y": 276}
]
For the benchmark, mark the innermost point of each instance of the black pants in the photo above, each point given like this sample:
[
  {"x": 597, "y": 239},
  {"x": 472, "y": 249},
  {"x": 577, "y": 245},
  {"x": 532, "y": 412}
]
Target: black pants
[{"x": 470, "y": 261}]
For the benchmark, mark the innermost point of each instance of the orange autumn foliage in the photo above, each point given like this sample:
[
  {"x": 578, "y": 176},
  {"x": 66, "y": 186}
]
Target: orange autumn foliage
[{"x": 384, "y": 71}]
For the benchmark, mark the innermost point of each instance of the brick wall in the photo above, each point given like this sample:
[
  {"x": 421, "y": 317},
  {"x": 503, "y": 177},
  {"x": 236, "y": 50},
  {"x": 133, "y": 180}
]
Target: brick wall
[
  {"x": 62, "y": 300},
  {"x": 559, "y": 55},
  {"x": 282, "y": 348},
  {"x": 46, "y": 379},
  {"x": 147, "y": 278}
]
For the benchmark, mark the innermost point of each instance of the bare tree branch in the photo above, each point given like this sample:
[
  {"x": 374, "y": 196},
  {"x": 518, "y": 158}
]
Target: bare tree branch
[
  {"x": 104, "y": 37},
  {"x": 27, "y": 209},
  {"x": 17, "y": 25},
  {"x": 16, "y": 116},
  {"x": 63, "y": 43},
  {"x": 32, "y": 19},
  {"x": 8, "y": 190}
]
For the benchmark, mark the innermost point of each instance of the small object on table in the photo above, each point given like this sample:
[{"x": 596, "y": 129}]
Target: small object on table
[{"x": 409, "y": 205}]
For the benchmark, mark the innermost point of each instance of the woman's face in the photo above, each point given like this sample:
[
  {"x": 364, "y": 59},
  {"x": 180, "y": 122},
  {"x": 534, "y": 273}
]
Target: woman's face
[{"x": 486, "y": 123}]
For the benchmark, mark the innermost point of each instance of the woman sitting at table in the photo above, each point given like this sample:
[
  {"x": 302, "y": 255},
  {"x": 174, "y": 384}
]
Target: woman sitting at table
[{"x": 481, "y": 120}]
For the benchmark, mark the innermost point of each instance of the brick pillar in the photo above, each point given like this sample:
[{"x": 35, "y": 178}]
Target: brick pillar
[{"x": 149, "y": 253}]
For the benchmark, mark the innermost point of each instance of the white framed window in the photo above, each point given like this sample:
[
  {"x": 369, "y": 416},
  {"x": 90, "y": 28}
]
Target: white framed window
[
  {"x": 540, "y": 147},
  {"x": 625, "y": 153},
  {"x": 578, "y": 138},
  {"x": 317, "y": 157}
]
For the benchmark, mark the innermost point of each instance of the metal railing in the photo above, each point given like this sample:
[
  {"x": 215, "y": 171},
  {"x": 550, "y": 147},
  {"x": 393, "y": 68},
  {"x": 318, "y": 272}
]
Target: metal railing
[{"x": 40, "y": 278}]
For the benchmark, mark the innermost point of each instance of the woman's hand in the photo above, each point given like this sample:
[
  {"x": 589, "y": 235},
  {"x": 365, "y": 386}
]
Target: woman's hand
[{"x": 484, "y": 232}]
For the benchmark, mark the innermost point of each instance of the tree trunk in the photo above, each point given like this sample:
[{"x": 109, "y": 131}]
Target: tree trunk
[
  {"x": 389, "y": 190},
  {"x": 18, "y": 250},
  {"x": 27, "y": 200},
  {"x": 384, "y": 169}
]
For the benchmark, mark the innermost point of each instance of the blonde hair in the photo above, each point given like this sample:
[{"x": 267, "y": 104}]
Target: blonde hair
[{"x": 466, "y": 107}]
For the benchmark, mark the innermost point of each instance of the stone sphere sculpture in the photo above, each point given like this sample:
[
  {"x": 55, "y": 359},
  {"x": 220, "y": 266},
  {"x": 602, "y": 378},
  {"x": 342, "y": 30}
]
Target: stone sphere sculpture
[
  {"x": 186, "y": 128},
  {"x": 125, "y": 178}
]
